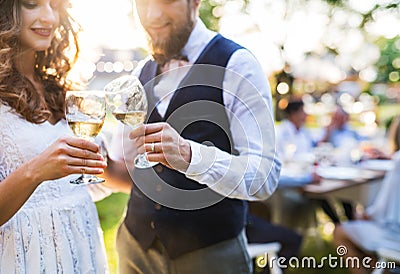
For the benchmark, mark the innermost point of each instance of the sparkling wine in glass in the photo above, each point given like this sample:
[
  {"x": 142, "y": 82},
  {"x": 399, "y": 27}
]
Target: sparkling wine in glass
[
  {"x": 126, "y": 99},
  {"x": 85, "y": 113}
]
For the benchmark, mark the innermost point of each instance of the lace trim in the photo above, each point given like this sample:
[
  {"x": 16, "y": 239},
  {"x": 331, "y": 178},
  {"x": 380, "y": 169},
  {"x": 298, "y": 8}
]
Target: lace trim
[
  {"x": 19, "y": 258},
  {"x": 89, "y": 228},
  {"x": 70, "y": 237},
  {"x": 61, "y": 235}
]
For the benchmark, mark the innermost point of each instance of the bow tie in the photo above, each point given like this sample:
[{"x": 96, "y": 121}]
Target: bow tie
[{"x": 174, "y": 63}]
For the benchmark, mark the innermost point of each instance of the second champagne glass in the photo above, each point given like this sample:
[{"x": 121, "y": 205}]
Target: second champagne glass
[
  {"x": 126, "y": 99},
  {"x": 85, "y": 113}
]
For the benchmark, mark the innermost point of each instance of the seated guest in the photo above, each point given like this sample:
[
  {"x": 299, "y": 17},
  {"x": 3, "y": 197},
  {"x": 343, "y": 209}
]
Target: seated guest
[
  {"x": 294, "y": 144},
  {"x": 339, "y": 133},
  {"x": 292, "y": 138},
  {"x": 379, "y": 226}
]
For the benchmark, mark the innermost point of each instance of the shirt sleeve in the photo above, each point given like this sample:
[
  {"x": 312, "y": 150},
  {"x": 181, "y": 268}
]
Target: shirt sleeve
[
  {"x": 253, "y": 174},
  {"x": 294, "y": 181}
]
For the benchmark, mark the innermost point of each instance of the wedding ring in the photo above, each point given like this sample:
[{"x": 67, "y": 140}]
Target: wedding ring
[{"x": 152, "y": 148}]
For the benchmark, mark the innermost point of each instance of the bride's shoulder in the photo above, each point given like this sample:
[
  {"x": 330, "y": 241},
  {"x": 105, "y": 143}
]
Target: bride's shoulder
[
  {"x": 4, "y": 108},
  {"x": 5, "y": 111}
]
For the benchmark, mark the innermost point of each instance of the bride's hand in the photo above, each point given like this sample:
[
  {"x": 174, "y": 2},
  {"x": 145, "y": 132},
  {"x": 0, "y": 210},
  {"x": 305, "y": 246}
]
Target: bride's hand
[{"x": 67, "y": 155}]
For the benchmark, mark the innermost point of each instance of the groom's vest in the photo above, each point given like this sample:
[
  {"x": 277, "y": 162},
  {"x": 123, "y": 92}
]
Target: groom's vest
[{"x": 186, "y": 215}]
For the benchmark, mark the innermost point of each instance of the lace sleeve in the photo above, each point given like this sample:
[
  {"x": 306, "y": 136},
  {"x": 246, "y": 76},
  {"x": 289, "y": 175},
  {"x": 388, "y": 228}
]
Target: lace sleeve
[
  {"x": 10, "y": 157},
  {"x": 2, "y": 168}
]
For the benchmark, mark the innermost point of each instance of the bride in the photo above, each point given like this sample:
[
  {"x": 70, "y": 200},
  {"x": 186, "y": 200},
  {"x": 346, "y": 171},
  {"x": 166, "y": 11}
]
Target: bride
[{"x": 46, "y": 224}]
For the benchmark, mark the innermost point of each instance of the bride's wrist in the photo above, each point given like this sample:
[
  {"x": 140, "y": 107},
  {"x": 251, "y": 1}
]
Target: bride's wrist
[{"x": 31, "y": 174}]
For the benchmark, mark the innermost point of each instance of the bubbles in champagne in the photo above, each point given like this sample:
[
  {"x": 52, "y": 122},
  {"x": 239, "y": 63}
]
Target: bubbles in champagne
[{"x": 133, "y": 118}]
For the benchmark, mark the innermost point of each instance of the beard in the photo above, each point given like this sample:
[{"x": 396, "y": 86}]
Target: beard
[{"x": 170, "y": 48}]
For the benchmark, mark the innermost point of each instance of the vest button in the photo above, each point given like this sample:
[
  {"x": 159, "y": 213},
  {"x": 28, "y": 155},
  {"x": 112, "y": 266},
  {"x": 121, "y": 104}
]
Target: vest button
[
  {"x": 157, "y": 206},
  {"x": 158, "y": 188},
  {"x": 152, "y": 225},
  {"x": 158, "y": 168}
]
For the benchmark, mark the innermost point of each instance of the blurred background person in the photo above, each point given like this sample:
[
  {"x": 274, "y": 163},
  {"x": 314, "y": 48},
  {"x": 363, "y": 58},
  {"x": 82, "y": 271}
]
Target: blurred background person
[
  {"x": 295, "y": 145},
  {"x": 379, "y": 226},
  {"x": 344, "y": 139},
  {"x": 339, "y": 133},
  {"x": 293, "y": 140},
  {"x": 297, "y": 148}
]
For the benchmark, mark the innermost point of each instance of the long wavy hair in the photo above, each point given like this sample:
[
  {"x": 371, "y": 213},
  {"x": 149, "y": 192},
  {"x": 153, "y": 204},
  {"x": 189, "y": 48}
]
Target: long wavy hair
[
  {"x": 51, "y": 66},
  {"x": 394, "y": 133}
]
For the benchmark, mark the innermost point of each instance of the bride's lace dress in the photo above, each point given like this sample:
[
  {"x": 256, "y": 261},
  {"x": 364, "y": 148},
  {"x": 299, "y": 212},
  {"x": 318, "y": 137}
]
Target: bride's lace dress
[{"x": 57, "y": 230}]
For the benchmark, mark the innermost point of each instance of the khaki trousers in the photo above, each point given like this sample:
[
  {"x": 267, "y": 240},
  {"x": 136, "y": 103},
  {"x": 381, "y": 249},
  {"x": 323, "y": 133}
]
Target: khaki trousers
[{"x": 223, "y": 258}]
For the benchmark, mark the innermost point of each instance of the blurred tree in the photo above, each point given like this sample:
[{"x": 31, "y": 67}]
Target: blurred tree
[
  {"x": 330, "y": 49},
  {"x": 211, "y": 18},
  {"x": 208, "y": 6},
  {"x": 207, "y": 14},
  {"x": 334, "y": 2},
  {"x": 388, "y": 65},
  {"x": 209, "y": 11}
]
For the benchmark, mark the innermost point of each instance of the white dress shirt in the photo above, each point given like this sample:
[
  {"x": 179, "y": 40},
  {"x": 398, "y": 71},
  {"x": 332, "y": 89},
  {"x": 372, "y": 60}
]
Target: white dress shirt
[
  {"x": 292, "y": 142},
  {"x": 294, "y": 146},
  {"x": 254, "y": 173}
]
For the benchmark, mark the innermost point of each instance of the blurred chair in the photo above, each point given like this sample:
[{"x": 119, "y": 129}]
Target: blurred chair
[
  {"x": 267, "y": 241},
  {"x": 262, "y": 253}
]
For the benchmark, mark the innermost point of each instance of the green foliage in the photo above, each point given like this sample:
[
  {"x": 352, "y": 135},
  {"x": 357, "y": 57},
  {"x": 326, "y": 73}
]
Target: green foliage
[
  {"x": 206, "y": 14},
  {"x": 334, "y": 2},
  {"x": 388, "y": 65},
  {"x": 111, "y": 211}
]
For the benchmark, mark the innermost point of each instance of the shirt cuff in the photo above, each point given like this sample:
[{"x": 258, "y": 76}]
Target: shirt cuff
[{"x": 203, "y": 158}]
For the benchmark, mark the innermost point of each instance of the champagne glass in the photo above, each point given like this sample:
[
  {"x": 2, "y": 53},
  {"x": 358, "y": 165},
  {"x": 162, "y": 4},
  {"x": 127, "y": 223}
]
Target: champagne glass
[
  {"x": 85, "y": 113},
  {"x": 126, "y": 99}
]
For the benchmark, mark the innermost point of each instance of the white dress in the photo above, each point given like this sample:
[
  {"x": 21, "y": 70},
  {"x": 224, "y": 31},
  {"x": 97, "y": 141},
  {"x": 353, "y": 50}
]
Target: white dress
[
  {"x": 383, "y": 230},
  {"x": 57, "y": 230}
]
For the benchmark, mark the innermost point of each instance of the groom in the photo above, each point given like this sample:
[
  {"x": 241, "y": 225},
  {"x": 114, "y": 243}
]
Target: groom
[{"x": 210, "y": 128}]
